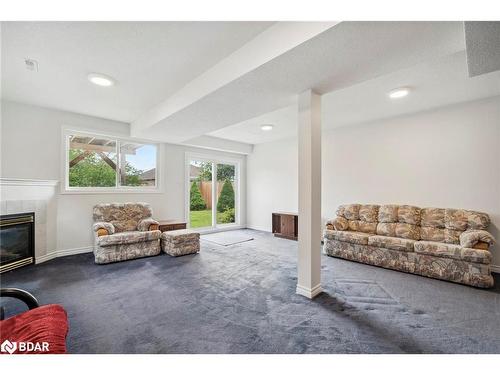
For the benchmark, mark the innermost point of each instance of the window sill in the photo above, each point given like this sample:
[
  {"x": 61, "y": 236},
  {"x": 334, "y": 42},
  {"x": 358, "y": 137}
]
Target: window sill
[{"x": 114, "y": 191}]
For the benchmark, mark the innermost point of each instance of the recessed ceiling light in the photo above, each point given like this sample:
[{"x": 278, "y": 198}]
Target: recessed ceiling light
[
  {"x": 101, "y": 79},
  {"x": 266, "y": 127},
  {"x": 399, "y": 93}
]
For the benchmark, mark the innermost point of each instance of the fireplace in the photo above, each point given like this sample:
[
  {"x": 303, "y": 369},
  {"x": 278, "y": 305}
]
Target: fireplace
[{"x": 17, "y": 240}]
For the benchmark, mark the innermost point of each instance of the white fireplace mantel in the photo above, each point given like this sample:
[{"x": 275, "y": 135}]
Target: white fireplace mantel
[{"x": 27, "y": 182}]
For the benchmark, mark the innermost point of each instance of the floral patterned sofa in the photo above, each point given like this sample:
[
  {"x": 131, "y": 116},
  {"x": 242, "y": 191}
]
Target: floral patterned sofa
[
  {"x": 448, "y": 244},
  {"x": 124, "y": 231}
]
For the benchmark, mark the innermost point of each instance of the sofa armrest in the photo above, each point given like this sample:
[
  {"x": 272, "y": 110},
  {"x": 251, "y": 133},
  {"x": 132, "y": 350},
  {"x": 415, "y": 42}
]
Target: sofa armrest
[
  {"x": 103, "y": 228},
  {"x": 339, "y": 223},
  {"x": 148, "y": 224},
  {"x": 329, "y": 224},
  {"x": 472, "y": 238}
]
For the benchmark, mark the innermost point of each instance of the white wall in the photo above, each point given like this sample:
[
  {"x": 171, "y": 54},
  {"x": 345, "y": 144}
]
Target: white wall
[
  {"x": 272, "y": 175},
  {"x": 448, "y": 157},
  {"x": 31, "y": 141}
]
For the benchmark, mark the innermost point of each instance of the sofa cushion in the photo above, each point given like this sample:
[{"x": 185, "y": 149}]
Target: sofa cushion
[
  {"x": 123, "y": 216},
  {"x": 432, "y": 234},
  {"x": 409, "y": 215},
  {"x": 452, "y": 236},
  {"x": 386, "y": 229},
  {"x": 47, "y": 323},
  {"x": 394, "y": 243},
  {"x": 455, "y": 219},
  {"x": 409, "y": 231},
  {"x": 432, "y": 217},
  {"x": 477, "y": 220},
  {"x": 388, "y": 213},
  {"x": 128, "y": 237},
  {"x": 349, "y": 211},
  {"x": 180, "y": 236},
  {"x": 347, "y": 236},
  {"x": 369, "y": 213},
  {"x": 445, "y": 250},
  {"x": 365, "y": 227},
  {"x": 362, "y": 226},
  {"x": 340, "y": 223}
]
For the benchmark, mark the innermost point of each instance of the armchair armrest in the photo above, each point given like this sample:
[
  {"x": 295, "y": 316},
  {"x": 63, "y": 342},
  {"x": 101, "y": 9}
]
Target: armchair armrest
[
  {"x": 339, "y": 223},
  {"x": 103, "y": 228},
  {"x": 474, "y": 238},
  {"x": 329, "y": 224},
  {"x": 20, "y": 294},
  {"x": 148, "y": 224}
]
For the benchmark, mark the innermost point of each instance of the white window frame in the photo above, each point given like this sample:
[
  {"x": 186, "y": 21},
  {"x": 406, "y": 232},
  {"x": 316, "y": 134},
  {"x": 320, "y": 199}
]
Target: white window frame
[
  {"x": 66, "y": 189},
  {"x": 189, "y": 156}
]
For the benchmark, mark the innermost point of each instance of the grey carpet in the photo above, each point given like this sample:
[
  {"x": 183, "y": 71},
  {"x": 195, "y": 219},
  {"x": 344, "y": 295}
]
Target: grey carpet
[
  {"x": 227, "y": 238},
  {"x": 241, "y": 299}
]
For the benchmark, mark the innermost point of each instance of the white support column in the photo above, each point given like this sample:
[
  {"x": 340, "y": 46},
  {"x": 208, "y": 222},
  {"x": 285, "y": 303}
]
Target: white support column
[{"x": 309, "y": 258}]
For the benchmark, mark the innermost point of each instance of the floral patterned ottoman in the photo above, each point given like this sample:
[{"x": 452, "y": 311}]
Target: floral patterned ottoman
[{"x": 180, "y": 242}]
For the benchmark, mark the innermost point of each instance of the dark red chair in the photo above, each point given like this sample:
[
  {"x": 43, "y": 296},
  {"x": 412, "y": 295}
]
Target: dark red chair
[{"x": 40, "y": 330}]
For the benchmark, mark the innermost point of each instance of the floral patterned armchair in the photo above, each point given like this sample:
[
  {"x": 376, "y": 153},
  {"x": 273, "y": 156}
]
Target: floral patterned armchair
[{"x": 124, "y": 231}]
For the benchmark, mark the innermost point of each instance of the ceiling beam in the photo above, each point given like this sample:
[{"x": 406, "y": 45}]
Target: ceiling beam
[
  {"x": 219, "y": 144},
  {"x": 271, "y": 43}
]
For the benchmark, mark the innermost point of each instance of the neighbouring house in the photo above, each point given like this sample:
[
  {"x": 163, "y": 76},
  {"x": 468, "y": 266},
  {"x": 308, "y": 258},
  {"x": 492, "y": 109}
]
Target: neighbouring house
[{"x": 148, "y": 177}]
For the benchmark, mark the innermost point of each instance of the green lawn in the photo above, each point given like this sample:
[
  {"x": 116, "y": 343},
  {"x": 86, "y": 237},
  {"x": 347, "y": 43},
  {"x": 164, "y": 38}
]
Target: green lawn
[{"x": 200, "y": 219}]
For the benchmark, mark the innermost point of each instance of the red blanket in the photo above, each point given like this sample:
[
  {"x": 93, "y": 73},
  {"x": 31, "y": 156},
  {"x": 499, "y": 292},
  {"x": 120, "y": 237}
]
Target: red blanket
[{"x": 39, "y": 331}]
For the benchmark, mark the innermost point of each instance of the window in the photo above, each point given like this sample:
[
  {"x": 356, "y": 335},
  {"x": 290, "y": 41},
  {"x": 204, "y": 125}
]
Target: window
[
  {"x": 102, "y": 163},
  {"x": 212, "y": 192}
]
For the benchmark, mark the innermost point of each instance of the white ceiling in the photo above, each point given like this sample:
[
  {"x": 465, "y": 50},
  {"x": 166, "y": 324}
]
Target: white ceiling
[
  {"x": 149, "y": 60},
  {"x": 353, "y": 64},
  {"x": 434, "y": 84}
]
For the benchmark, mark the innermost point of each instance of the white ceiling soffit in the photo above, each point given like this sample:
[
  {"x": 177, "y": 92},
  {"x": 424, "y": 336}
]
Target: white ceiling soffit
[
  {"x": 284, "y": 122},
  {"x": 149, "y": 61},
  {"x": 220, "y": 144},
  {"x": 265, "y": 47},
  {"x": 482, "y": 40},
  {"x": 343, "y": 55},
  {"x": 433, "y": 84}
]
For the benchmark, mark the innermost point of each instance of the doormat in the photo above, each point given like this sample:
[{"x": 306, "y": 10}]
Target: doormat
[{"x": 227, "y": 238}]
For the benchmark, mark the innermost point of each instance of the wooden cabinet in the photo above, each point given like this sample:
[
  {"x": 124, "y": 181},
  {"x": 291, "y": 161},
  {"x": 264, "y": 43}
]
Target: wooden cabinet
[
  {"x": 286, "y": 225},
  {"x": 168, "y": 225}
]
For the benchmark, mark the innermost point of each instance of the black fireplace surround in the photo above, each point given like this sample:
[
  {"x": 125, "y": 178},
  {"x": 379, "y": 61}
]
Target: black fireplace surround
[{"x": 17, "y": 240}]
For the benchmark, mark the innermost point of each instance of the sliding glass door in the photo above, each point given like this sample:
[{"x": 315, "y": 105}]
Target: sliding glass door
[
  {"x": 200, "y": 197},
  {"x": 213, "y": 192}
]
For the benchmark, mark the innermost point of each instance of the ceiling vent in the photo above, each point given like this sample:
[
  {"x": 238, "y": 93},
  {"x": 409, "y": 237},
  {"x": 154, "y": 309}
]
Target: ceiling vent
[{"x": 31, "y": 64}]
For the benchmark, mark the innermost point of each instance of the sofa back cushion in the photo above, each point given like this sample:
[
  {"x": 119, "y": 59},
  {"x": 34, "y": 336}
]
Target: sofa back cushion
[
  {"x": 124, "y": 216},
  {"x": 411, "y": 222},
  {"x": 360, "y": 217},
  {"x": 401, "y": 221},
  {"x": 446, "y": 224}
]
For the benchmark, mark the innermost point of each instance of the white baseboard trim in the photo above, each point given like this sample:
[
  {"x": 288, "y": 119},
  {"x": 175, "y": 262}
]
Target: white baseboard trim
[
  {"x": 309, "y": 292},
  {"x": 46, "y": 257},
  {"x": 495, "y": 268},
  {"x": 63, "y": 253}
]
